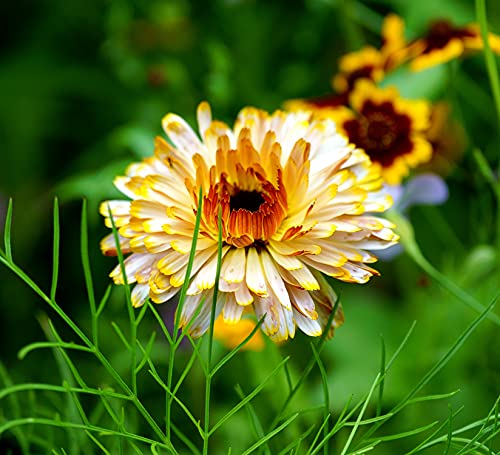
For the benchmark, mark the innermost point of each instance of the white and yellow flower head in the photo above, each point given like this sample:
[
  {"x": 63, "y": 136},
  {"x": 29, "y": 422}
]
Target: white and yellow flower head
[{"x": 296, "y": 202}]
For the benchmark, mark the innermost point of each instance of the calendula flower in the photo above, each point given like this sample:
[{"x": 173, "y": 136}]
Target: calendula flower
[
  {"x": 390, "y": 129},
  {"x": 294, "y": 199},
  {"x": 444, "y": 41},
  {"x": 231, "y": 335}
]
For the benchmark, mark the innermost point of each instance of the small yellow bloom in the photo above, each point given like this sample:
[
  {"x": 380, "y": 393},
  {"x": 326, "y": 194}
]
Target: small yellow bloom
[
  {"x": 444, "y": 42},
  {"x": 295, "y": 199},
  {"x": 369, "y": 62},
  {"x": 448, "y": 140},
  {"x": 231, "y": 335},
  {"x": 390, "y": 129}
]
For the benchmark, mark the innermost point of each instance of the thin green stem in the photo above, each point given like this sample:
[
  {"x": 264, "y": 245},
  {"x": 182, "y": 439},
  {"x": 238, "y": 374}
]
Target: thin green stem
[
  {"x": 494, "y": 183},
  {"x": 360, "y": 416},
  {"x": 14, "y": 408},
  {"x": 55, "y": 251},
  {"x": 492, "y": 69},
  {"x": 130, "y": 308},
  {"x": 452, "y": 288},
  {"x": 192, "y": 254},
  {"x": 84, "y": 246},
  {"x": 489, "y": 57},
  {"x": 57, "y": 423},
  {"x": 17, "y": 270},
  {"x": 57, "y": 388},
  {"x": 6, "y": 232},
  {"x": 133, "y": 397},
  {"x": 102, "y": 359},
  {"x": 257, "y": 429},
  {"x": 309, "y": 366},
  {"x": 382, "y": 375},
  {"x": 182, "y": 297},
  {"x": 435, "y": 369},
  {"x": 326, "y": 395},
  {"x": 208, "y": 377},
  {"x": 405, "y": 229}
]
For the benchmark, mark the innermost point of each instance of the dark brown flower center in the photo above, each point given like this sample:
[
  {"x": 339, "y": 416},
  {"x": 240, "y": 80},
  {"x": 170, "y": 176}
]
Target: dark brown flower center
[
  {"x": 382, "y": 132},
  {"x": 248, "y": 200},
  {"x": 328, "y": 101},
  {"x": 441, "y": 33},
  {"x": 365, "y": 72}
]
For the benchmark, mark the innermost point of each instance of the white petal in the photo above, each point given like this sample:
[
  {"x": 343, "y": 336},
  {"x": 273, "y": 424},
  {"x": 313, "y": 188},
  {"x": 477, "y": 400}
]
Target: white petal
[
  {"x": 139, "y": 294},
  {"x": 204, "y": 117},
  {"x": 202, "y": 321},
  {"x": 274, "y": 280},
  {"x": 205, "y": 279},
  {"x": 182, "y": 135},
  {"x": 254, "y": 274},
  {"x": 133, "y": 264},
  {"x": 224, "y": 286},
  {"x": 118, "y": 208},
  {"x": 233, "y": 268},
  {"x": 303, "y": 302},
  {"x": 243, "y": 295},
  {"x": 231, "y": 311},
  {"x": 160, "y": 297},
  {"x": 308, "y": 326}
]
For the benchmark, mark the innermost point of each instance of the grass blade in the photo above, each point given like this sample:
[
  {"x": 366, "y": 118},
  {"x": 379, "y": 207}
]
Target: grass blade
[
  {"x": 438, "y": 366},
  {"x": 269, "y": 435},
  {"x": 7, "y": 231},
  {"x": 249, "y": 397},
  {"x": 360, "y": 416},
  {"x": 55, "y": 251}
]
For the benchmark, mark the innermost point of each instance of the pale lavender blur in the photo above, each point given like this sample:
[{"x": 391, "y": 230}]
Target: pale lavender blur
[{"x": 423, "y": 189}]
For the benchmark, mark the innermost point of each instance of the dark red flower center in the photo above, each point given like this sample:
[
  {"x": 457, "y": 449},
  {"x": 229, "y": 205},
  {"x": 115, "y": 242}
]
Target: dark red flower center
[
  {"x": 441, "y": 33},
  {"x": 382, "y": 132},
  {"x": 328, "y": 101},
  {"x": 365, "y": 72}
]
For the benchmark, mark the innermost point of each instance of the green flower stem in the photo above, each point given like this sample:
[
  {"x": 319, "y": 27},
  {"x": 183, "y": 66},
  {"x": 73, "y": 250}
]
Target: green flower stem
[
  {"x": 492, "y": 69},
  {"x": 307, "y": 369},
  {"x": 130, "y": 308},
  {"x": 405, "y": 230},
  {"x": 489, "y": 56},
  {"x": 174, "y": 343},
  {"x": 84, "y": 250},
  {"x": 208, "y": 380},
  {"x": 102, "y": 359},
  {"x": 494, "y": 183}
]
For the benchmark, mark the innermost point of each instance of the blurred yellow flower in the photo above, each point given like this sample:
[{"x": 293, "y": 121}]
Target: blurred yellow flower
[
  {"x": 448, "y": 139},
  {"x": 295, "y": 199},
  {"x": 231, "y": 335},
  {"x": 390, "y": 129},
  {"x": 444, "y": 41},
  {"x": 369, "y": 62}
]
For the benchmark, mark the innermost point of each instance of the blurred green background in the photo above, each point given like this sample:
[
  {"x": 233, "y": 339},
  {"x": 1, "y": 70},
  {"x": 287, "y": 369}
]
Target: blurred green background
[{"x": 83, "y": 88}]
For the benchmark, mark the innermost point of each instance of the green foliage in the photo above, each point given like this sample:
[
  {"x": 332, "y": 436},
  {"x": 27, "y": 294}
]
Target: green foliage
[{"x": 119, "y": 429}]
